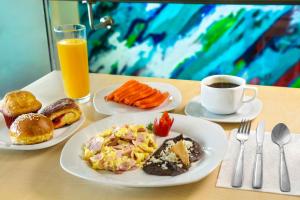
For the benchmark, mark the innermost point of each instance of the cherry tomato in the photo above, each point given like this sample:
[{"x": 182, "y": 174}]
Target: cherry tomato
[{"x": 162, "y": 126}]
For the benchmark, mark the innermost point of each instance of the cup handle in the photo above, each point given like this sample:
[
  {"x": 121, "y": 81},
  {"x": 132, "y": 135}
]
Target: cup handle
[{"x": 254, "y": 89}]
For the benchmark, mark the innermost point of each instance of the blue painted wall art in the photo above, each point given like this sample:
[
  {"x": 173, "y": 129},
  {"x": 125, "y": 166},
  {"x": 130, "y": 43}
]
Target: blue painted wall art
[{"x": 260, "y": 43}]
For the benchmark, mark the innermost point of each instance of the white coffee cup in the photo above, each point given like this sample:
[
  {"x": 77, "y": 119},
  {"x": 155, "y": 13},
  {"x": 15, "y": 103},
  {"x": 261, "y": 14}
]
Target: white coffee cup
[{"x": 224, "y": 100}]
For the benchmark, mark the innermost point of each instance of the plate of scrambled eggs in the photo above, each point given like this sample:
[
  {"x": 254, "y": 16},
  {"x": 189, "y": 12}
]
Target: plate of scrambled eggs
[{"x": 112, "y": 151}]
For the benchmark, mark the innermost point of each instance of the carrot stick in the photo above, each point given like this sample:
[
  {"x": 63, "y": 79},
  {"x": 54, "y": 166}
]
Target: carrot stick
[
  {"x": 126, "y": 84},
  {"x": 142, "y": 94},
  {"x": 132, "y": 91},
  {"x": 135, "y": 93},
  {"x": 123, "y": 90},
  {"x": 152, "y": 101}
]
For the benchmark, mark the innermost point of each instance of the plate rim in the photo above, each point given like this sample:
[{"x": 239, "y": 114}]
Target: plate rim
[
  {"x": 146, "y": 111},
  {"x": 46, "y": 144},
  {"x": 216, "y": 163},
  {"x": 260, "y": 105}
]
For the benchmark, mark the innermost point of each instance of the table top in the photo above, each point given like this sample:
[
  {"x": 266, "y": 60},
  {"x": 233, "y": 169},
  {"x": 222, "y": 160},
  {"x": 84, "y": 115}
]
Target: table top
[{"x": 38, "y": 175}]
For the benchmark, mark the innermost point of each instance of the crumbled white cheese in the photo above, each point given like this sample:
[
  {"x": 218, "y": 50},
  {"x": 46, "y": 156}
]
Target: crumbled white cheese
[
  {"x": 179, "y": 165},
  {"x": 164, "y": 166},
  {"x": 188, "y": 144},
  {"x": 170, "y": 143},
  {"x": 168, "y": 156},
  {"x": 155, "y": 160}
]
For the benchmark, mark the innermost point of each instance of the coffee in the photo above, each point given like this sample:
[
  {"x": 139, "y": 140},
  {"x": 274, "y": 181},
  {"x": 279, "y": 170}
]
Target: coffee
[
  {"x": 223, "y": 94},
  {"x": 223, "y": 85}
]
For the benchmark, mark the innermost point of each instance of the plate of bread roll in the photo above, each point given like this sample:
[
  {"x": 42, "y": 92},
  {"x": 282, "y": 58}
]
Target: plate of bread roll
[{"x": 27, "y": 124}]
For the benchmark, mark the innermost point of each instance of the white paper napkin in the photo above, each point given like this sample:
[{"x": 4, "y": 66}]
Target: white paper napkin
[{"x": 270, "y": 164}]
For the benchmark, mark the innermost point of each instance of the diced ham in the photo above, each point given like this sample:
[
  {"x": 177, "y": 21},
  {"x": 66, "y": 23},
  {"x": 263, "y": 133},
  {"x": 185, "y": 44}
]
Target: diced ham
[
  {"x": 95, "y": 144},
  {"x": 126, "y": 165},
  {"x": 140, "y": 137},
  {"x": 128, "y": 136}
]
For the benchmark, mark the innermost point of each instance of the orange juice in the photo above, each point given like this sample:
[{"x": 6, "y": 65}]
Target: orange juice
[{"x": 73, "y": 58}]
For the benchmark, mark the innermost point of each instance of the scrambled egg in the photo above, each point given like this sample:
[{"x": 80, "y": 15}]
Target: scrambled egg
[{"x": 120, "y": 149}]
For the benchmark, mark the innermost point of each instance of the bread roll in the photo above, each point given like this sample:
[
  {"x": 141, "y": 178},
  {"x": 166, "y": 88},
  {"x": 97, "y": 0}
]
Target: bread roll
[
  {"x": 31, "y": 128},
  {"x": 16, "y": 103}
]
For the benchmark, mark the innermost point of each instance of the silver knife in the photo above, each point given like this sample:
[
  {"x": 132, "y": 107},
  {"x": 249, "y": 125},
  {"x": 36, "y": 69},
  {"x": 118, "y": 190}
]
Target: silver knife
[{"x": 258, "y": 165}]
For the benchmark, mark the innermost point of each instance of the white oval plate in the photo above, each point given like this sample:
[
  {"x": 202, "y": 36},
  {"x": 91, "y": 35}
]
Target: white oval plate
[
  {"x": 210, "y": 135},
  {"x": 59, "y": 135},
  {"x": 247, "y": 111},
  {"x": 112, "y": 108}
]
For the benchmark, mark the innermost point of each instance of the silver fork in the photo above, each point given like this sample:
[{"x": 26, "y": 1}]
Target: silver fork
[{"x": 242, "y": 136}]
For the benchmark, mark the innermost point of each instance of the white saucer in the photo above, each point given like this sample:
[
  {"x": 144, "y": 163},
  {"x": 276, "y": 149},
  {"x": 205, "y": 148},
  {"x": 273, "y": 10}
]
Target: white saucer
[{"x": 247, "y": 111}]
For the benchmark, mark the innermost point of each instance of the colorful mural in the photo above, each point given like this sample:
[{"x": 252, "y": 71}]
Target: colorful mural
[{"x": 260, "y": 43}]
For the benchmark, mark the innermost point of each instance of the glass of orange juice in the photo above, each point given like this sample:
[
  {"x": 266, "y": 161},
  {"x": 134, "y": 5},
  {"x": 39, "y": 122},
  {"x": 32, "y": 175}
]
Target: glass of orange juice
[{"x": 73, "y": 58}]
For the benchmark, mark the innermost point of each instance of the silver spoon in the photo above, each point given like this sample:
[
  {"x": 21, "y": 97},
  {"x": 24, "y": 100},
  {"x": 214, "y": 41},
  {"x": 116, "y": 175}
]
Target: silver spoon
[{"x": 281, "y": 136}]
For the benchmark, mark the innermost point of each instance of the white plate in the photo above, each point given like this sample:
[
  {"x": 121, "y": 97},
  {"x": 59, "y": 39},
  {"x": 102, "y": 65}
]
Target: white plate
[
  {"x": 247, "y": 111},
  {"x": 112, "y": 108},
  {"x": 210, "y": 135},
  {"x": 59, "y": 135}
]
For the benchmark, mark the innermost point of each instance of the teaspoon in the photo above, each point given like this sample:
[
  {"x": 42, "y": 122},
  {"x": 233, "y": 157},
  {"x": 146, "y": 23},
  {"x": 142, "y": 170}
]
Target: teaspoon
[{"x": 281, "y": 136}]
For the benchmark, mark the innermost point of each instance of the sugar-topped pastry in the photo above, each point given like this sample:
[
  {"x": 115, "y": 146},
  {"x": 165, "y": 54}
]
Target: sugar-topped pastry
[
  {"x": 63, "y": 112},
  {"x": 16, "y": 103},
  {"x": 31, "y": 128}
]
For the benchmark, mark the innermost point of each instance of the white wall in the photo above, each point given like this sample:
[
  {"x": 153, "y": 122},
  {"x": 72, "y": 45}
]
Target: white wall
[{"x": 23, "y": 43}]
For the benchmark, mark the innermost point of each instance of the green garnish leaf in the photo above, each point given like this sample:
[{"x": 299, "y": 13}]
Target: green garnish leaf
[{"x": 150, "y": 126}]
